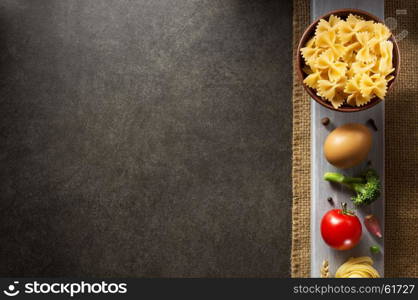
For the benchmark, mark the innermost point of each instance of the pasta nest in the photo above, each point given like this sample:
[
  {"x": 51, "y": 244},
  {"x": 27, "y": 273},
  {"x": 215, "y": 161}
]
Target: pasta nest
[{"x": 360, "y": 267}]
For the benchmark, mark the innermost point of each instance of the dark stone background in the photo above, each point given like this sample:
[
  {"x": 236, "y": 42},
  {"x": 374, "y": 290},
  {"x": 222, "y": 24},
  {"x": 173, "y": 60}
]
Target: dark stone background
[{"x": 145, "y": 138}]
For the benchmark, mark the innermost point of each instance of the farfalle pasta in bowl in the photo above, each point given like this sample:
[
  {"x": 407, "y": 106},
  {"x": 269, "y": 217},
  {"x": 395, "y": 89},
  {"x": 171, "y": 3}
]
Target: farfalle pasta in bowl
[{"x": 348, "y": 60}]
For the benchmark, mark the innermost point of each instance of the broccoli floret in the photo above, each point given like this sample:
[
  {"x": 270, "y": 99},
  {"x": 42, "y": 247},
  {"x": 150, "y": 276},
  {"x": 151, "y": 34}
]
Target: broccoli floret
[{"x": 367, "y": 185}]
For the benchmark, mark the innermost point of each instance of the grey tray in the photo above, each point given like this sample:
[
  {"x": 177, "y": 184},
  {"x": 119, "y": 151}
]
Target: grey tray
[{"x": 321, "y": 190}]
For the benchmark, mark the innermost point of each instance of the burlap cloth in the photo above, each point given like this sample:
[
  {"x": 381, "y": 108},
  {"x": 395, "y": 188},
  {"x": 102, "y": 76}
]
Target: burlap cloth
[{"x": 401, "y": 224}]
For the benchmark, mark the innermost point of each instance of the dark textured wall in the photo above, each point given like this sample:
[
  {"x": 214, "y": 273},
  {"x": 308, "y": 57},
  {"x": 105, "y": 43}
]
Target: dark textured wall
[{"x": 145, "y": 138}]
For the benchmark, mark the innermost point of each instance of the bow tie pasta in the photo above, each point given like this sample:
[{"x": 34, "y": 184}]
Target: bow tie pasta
[{"x": 349, "y": 61}]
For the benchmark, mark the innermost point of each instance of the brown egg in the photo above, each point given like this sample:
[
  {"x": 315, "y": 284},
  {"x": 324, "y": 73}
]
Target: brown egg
[{"x": 348, "y": 145}]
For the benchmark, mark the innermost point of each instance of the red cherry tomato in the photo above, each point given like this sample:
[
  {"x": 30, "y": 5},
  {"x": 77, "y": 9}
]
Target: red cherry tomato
[{"x": 341, "y": 229}]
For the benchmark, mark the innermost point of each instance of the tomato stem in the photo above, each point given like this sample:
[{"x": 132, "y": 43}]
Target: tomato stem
[{"x": 345, "y": 210}]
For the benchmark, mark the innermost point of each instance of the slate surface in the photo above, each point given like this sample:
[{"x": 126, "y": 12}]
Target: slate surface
[{"x": 145, "y": 138}]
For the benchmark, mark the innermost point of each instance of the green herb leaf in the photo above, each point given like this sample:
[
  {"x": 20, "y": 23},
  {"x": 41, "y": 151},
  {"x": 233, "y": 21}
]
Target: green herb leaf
[{"x": 375, "y": 249}]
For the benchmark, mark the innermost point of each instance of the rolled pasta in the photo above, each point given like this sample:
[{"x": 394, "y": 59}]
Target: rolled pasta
[{"x": 360, "y": 267}]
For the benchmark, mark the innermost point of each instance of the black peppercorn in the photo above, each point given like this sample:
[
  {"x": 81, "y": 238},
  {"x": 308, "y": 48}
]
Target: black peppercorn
[
  {"x": 372, "y": 124},
  {"x": 330, "y": 200}
]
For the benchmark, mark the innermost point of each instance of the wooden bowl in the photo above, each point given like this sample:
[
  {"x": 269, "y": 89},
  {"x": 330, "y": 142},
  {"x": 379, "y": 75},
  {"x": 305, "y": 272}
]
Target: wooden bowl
[{"x": 309, "y": 33}]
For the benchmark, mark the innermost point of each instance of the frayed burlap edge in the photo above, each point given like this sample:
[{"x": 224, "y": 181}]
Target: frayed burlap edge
[{"x": 300, "y": 260}]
